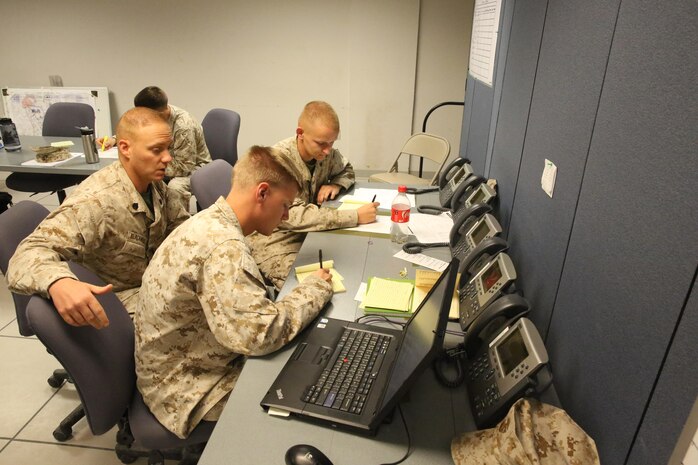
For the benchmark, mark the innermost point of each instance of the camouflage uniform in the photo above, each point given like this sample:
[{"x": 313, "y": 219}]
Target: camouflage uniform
[
  {"x": 188, "y": 151},
  {"x": 275, "y": 254},
  {"x": 104, "y": 225},
  {"x": 202, "y": 308},
  {"x": 532, "y": 433}
]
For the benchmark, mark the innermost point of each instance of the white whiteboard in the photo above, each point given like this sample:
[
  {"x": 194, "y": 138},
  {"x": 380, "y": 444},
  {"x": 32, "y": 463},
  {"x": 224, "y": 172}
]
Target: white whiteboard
[{"x": 27, "y": 107}]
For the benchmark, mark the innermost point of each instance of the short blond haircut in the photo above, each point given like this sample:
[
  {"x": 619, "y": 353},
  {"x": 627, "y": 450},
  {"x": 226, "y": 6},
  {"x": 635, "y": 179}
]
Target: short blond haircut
[
  {"x": 263, "y": 164},
  {"x": 134, "y": 119},
  {"x": 318, "y": 111}
]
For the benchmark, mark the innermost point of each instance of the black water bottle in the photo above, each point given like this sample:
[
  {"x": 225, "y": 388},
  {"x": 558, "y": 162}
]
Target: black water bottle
[{"x": 8, "y": 132}]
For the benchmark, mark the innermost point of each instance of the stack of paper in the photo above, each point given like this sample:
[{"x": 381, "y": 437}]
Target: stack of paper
[
  {"x": 424, "y": 281},
  {"x": 304, "y": 271},
  {"x": 389, "y": 297}
]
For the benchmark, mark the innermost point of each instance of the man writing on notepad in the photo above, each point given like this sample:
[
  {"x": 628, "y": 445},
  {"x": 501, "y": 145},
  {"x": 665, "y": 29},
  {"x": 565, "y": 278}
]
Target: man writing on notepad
[
  {"x": 203, "y": 304},
  {"x": 322, "y": 173}
]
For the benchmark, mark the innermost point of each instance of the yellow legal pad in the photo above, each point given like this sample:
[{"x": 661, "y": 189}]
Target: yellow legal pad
[
  {"x": 304, "y": 271},
  {"x": 389, "y": 294}
]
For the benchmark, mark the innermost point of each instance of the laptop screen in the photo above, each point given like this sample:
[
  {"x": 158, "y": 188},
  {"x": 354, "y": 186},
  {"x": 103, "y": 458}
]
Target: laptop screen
[{"x": 419, "y": 335}]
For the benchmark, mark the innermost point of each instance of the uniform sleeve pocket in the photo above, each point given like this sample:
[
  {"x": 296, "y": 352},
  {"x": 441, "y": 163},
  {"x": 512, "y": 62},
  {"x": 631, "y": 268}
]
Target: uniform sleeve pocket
[{"x": 133, "y": 249}]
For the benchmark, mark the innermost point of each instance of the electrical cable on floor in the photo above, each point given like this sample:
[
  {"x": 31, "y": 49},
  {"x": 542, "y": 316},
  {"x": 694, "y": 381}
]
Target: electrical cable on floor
[{"x": 409, "y": 439}]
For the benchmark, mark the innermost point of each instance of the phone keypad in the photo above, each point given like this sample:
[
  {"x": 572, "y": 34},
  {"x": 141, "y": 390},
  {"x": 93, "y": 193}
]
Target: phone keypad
[
  {"x": 462, "y": 247},
  {"x": 482, "y": 372},
  {"x": 445, "y": 194},
  {"x": 469, "y": 307}
]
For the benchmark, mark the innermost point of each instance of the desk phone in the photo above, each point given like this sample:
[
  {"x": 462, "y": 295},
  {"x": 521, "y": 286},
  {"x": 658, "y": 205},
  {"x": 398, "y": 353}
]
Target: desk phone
[
  {"x": 455, "y": 185},
  {"x": 462, "y": 244},
  {"x": 486, "y": 285},
  {"x": 501, "y": 371}
]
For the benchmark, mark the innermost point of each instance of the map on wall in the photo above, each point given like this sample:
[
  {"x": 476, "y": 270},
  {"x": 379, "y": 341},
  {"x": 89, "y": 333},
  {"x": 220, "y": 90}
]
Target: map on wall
[{"x": 27, "y": 107}]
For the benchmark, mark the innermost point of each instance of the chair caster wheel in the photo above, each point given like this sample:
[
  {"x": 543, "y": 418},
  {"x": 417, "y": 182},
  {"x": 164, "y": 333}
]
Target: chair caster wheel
[
  {"x": 62, "y": 434},
  {"x": 126, "y": 458},
  {"x": 55, "y": 382}
]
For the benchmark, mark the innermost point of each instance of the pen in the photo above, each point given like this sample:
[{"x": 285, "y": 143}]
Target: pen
[
  {"x": 320, "y": 253},
  {"x": 104, "y": 139},
  {"x": 374, "y": 198}
]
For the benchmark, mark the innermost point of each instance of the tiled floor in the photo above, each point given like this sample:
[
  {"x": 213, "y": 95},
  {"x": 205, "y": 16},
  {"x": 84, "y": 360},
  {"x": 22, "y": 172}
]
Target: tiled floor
[{"x": 29, "y": 408}]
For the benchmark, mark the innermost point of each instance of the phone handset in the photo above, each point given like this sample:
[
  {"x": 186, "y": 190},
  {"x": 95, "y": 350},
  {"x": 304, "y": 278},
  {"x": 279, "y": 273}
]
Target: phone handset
[
  {"x": 474, "y": 260},
  {"x": 495, "y": 317},
  {"x": 448, "y": 172},
  {"x": 463, "y": 190},
  {"x": 465, "y": 219}
]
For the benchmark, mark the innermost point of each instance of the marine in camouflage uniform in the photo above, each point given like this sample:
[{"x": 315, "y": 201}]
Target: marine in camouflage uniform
[
  {"x": 188, "y": 151},
  {"x": 105, "y": 225},
  {"x": 276, "y": 253},
  {"x": 202, "y": 308}
]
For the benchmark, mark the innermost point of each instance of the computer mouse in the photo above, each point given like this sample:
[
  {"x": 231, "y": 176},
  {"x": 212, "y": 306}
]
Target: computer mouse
[{"x": 304, "y": 454}]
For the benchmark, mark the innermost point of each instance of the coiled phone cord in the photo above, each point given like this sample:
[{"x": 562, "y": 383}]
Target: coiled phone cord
[
  {"x": 417, "y": 247},
  {"x": 453, "y": 357}
]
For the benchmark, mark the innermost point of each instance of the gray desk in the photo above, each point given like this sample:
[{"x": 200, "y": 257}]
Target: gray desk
[
  {"x": 12, "y": 161},
  {"x": 245, "y": 434}
]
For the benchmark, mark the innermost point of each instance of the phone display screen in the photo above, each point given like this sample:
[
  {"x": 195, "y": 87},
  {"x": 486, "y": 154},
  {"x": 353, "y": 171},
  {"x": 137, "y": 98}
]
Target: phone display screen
[
  {"x": 511, "y": 352},
  {"x": 477, "y": 197},
  {"x": 480, "y": 232},
  {"x": 457, "y": 177},
  {"x": 491, "y": 276}
]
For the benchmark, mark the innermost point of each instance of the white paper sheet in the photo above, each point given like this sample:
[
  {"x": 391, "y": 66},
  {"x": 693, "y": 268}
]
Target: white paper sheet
[
  {"x": 109, "y": 153},
  {"x": 380, "y": 226},
  {"x": 384, "y": 196},
  {"x": 430, "y": 228},
  {"x": 483, "y": 43},
  {"x": 423, "y": 260}
]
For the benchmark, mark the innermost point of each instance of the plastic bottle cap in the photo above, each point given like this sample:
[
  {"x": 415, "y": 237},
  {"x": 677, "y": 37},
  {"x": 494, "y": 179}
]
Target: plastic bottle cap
[{"x": 402, "y": 189}]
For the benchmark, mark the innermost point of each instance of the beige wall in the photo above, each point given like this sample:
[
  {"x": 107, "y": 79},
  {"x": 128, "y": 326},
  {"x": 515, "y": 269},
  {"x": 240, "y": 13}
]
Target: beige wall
[{"x": 382, "y": 64}]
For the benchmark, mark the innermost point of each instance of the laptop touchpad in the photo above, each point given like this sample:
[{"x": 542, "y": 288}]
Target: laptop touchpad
[{"x": 311, "y": 353}]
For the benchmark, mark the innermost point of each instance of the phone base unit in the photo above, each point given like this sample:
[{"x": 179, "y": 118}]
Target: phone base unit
[{"x": 503, "y": 371}]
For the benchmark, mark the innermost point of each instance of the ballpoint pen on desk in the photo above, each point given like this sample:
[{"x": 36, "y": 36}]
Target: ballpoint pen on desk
[
  {"x": 374, "y": 198},
  {"x": 320, "y": 253}
]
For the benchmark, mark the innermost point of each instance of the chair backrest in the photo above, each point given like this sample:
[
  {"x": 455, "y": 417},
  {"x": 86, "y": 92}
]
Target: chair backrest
[
  {"x": 211, "y": 181},
  {"x": 221, "y": 128},
  {"x": 99, "y": 361},
  {"x": 429, "y": 146},
  {"x": 63, "y": 119},
  {"x": 15, "y": 224}
]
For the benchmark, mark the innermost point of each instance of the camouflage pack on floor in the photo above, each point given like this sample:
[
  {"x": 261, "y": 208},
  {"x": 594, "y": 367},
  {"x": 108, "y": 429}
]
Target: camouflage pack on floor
[{"x": 532, "y": 433}]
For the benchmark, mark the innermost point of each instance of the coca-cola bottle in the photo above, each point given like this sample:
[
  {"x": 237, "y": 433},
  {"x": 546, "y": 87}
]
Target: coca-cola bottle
[{"x": 400, "y": 216}]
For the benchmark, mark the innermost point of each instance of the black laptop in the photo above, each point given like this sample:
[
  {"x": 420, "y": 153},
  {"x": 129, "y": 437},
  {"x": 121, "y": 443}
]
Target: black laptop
[{"x": 352, "y": 375}]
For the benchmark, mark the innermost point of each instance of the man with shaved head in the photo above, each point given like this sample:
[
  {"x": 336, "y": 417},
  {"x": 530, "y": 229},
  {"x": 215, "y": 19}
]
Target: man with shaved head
[{"x": 111, "y": 224}]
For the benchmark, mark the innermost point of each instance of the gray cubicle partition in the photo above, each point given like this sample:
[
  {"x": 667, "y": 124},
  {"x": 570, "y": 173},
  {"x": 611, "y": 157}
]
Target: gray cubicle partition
[{"x": 609, "y": 262}]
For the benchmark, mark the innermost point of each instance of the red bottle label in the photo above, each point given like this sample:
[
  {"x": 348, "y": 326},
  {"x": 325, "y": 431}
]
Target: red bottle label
[{"x": 400, "y": 215}]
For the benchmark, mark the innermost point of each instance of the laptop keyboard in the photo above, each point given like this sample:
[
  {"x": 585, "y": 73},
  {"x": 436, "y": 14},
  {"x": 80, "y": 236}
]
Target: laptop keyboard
[{"x": 348, "y": 377}]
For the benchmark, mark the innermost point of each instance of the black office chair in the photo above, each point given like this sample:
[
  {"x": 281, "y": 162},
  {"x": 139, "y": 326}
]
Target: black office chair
[
  {"x": 221, "y": 128},
  {"x": 15, "y": 224},
  {"x": 62, "y": 119},
  {"x": 210, "y": 182},
  {"x": 101, "y": 363}
]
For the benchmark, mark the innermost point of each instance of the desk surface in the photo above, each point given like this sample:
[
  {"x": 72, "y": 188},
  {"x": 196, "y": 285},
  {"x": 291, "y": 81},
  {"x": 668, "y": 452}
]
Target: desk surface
[
  {"x": 246, "y": 434},
  {"x": 12, "y": 161}
]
